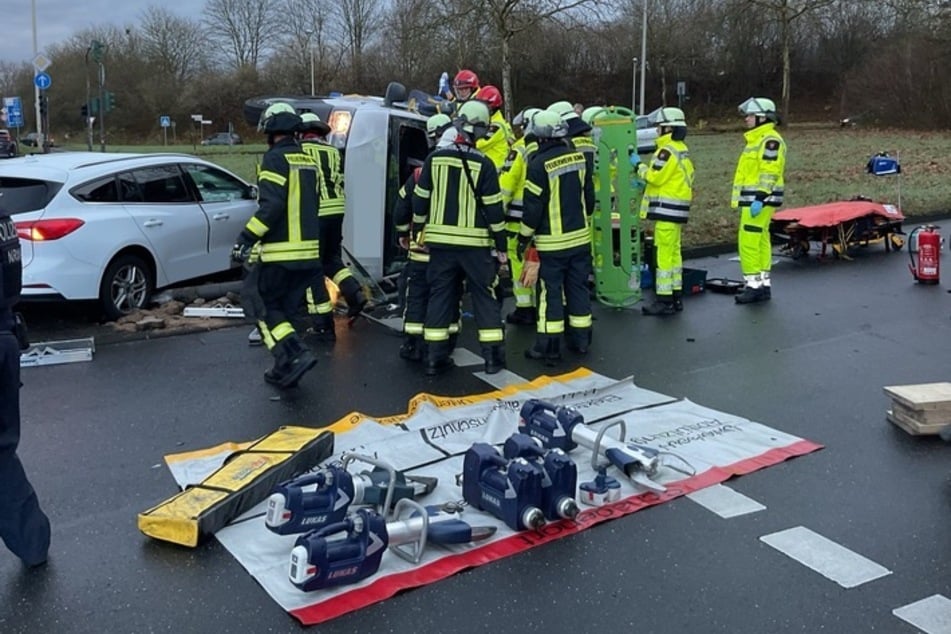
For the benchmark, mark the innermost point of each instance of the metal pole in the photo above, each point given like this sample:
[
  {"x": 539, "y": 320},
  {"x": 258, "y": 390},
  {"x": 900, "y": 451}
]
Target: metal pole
[
  {"x": 87, "y": 122},
  {"x": 634, "y": 88},
  {"x": 102, "y": 107},
  {"x": 36, "y": 89},
  {"x": 643, "y": 54},
  {"x": 312, "y": 86}
]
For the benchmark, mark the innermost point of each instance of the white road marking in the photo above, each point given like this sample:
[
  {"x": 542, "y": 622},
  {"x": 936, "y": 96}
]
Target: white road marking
[
  {"x": 829, "y": 559},
  {"x": 501, "y": 379},
  {"x": 463, "y": 357},
  {"x": 724, "y": 501},
  {"x": 931, "y": 615}
]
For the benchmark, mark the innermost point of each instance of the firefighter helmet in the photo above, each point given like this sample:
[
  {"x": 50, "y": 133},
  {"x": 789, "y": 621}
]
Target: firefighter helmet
[
  {"x": 491, "y": 96},
  {"x": 437, "y": 124},
  {"x": 759, "y": 106},
  {"x": 667, "y": 117},
  {"x": 524, "y": 118},
  {"x": 310, "y": 122},
  {"x": 465, "y": 79},
  {"x": 566, "y": 111},
  {"x": 589, "y": 114},
  {"x": 547, "y": 124},
  {"x": 279, "y": 118},
  {"x": 473, "y": 118}
]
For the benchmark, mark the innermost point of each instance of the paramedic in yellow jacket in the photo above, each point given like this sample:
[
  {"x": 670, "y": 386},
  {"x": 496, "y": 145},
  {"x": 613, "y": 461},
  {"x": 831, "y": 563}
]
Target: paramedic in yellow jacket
[
  {"x": 668, "y": 192},
  {"x": 498, "y": 141},
  {"x": 512, "y": 184},
  {"x": 758, "y": 189}
]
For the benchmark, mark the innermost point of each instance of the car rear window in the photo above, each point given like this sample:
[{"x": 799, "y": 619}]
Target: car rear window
[{"x": 20, "y": 195}]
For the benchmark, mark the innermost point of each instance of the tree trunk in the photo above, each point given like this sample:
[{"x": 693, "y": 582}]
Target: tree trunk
[{"x": 507, "y": 76}]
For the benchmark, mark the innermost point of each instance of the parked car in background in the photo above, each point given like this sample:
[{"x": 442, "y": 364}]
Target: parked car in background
[
  {"x": 115, "y": 227},
  {"x": 223, "y": 138},
  {"x": 646, "y": 135},
  {"x": 8, "y": 145},
  {"x": 33, "y": 140}
]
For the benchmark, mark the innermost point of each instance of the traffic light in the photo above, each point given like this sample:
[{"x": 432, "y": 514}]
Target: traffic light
[
  {"x": 109, "y": 101},
  {"x": 43, "y": 103}
]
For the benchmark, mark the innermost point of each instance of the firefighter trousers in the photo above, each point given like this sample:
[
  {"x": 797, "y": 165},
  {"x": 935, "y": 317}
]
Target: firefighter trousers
[
  {"x": 563, "y": 283},
  {"x": 447, "y": 269},
  {"x": 281, "y": 289},
  {"x": 24, "y": 528}
]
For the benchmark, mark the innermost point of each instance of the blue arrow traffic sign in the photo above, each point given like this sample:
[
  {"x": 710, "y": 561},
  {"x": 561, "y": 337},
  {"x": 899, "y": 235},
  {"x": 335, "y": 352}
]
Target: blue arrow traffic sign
[{"x": 42, "y": 81}]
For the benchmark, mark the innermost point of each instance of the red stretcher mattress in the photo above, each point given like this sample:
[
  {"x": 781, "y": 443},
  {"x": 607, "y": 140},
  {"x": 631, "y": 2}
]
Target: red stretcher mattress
[{"x": 831, "y": 214}]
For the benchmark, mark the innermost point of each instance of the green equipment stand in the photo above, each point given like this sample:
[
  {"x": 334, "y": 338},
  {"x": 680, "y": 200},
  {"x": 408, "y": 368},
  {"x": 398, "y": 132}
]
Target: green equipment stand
[{"x": 616, "y": 222}]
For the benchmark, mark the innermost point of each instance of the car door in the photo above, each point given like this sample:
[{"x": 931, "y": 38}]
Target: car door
[
  {"x": 228, "y": 204},
  {"x": 171, "y": 219}
]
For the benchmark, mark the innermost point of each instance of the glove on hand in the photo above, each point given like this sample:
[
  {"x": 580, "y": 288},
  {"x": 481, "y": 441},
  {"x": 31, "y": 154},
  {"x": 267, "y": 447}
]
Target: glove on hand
[
  {"x": 521, "y": 247},
  {"x": 240, "y": 252},
  {"x": 756, "y": 208}
]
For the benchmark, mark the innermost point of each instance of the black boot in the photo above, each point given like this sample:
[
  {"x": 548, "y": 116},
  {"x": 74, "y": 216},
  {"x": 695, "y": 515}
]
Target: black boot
[
  {"x": 522, "y": 316},
  {"x": 546, "y": 348},
  {"x": 292, "y": 359},
  {"x": 353, "y": 293},
  {"x": 679, "y": 301},
  {"x": 323, "y": 328},
  {"x": 438, "y": 359},
  {"x": 750, "y": 295},
  {"x": 412, "y": 348},
  {"x": 663, "y": 305},
  {"x": 578, "y": 339},
  {"x": 494, "y": 358},
  {"x": 767, "y": 293}
]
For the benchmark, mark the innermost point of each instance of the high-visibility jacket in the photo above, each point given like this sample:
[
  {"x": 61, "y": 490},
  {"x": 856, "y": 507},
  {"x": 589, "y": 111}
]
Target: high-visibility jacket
[
  {"x": 668, "y": 178},
  {"x": 759, "y": 172},
  {"x": 332, "y": 201},
  {"x": 286, "y": 222},
  {"x": 512, "y": 181},
  {"x": 496, "y": 146},
  {"x": 559, "y": 196},
  {"x": 403, "y": 217},
  {"x": 459, "y": 208}
]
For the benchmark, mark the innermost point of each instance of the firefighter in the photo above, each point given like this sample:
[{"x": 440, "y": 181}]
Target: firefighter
[
  {"x": 465, "y": 85},
  {"x": 332, "y": 206},
  {"x": 512, "y": 184},
  {"x": 24, "y": 528},
  {"x": 458, "y": 205},
  {"x": 416, "y": 287},
  {"x": 498, "y": 141},
  {"x": 288, "y": 258},
  {"x": 559, "y": 197},
  {"x": 758, "y": 188},
  {"x": 668, "y": 191},
  {"x": 578, "y": 131}
]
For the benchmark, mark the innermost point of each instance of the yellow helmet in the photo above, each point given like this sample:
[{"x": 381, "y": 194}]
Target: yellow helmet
[
  {"x": 311, "y": 122},
  {"x": 473, "y": 118},
  {"x": 588, "y": 114},
  {"x": 279, "y": 118},
  {"x": 436, "y": 124},
  {"x": 549, "y": 125}
]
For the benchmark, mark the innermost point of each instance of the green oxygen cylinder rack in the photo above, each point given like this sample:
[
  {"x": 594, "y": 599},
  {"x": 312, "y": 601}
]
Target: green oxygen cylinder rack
[{"x": 616, "y": 239}]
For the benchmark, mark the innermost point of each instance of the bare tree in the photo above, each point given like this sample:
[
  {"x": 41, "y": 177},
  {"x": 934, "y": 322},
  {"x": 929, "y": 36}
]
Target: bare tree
[
  {"x": 311, "y": 38},
  {"x": 787, "y": 12},
  {"x": 359, "y": 21},
  {"x": 246, "y": 28},
  {"x": 175, "y": 44}
]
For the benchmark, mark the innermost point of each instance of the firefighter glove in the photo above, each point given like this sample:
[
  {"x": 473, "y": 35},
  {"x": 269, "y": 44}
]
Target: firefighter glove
[
  {"x": 521, "y": 247},
  {"x": 241, "y": 250},
  {"x": 756, "y": 208}
]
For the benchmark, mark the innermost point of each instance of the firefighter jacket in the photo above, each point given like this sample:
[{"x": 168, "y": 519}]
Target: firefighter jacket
[
  {"x": 512, "y": 181},
  {"x": 11, "y": 271},
  {"x": 668, "y": 179},
  {"x": 286, "y": 223},
  {"x": 499, "y": 140},
  {"x": 584, "y": 143},
  {"x": 559, "y": 197},
  {"x": 332, "y": 202},
  {"x": 403, "y": 218},
  {"x": 457, "y": 198},
  {"x": 759, "y": 172}
]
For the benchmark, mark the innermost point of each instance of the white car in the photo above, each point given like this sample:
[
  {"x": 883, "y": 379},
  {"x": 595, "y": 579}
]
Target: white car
[{"x": 115, "y": 227}]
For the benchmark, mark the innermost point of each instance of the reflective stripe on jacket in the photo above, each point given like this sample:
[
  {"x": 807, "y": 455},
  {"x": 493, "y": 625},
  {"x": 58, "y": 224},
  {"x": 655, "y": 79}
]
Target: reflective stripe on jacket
[
  {"x": 759, "y": 172},
  {"x": 559, "y": 196},
  {"x": 669, "y": 182},
  {"x": 332, "y": 201}
]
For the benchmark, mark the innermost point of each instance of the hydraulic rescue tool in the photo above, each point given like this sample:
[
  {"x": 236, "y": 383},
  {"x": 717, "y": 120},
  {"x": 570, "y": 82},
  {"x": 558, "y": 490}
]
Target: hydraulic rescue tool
[
  {"x": 511, "y": 490},
  {"x": 559, "y": 427},
  {"x": 316, "y": 499},
  {"x": 559, "y": 475},
  {"x": 351, "y": 550}
]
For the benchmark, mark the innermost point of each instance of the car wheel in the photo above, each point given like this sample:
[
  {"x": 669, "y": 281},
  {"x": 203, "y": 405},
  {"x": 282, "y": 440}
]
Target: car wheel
[{"x": 126, "y": 286}]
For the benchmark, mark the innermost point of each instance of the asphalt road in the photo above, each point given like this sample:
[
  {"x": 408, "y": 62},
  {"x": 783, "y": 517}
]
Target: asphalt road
[{"x": 811, "y": 362}]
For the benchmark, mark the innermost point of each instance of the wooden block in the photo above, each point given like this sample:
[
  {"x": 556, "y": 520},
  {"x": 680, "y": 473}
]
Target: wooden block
[
  {"x": 924, "y": 396},
  {"x": 925, "y": 416},
  {"x": 912, "y": 426}
]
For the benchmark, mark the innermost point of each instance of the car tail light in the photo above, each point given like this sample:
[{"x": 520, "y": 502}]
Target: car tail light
[{"x": 45, "y": 230}]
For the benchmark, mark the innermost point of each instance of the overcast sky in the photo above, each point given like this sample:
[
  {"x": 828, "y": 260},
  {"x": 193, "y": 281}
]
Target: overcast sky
[{"x": 57, "y": 20}]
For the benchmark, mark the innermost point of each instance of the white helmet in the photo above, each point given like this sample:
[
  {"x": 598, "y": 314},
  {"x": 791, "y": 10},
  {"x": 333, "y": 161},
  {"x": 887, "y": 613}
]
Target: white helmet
[
  {"x": 566, "y": 111},
  {"x": 549, "y": 125},
  {"x": 524, "y": 118},
  {"x": 279, "y": 118},
  {"x": 667, "y": 117},
  {"x": 759, "y": 106},
  {"x": 436, "y": 124},
  {"x": 589, "y": 114},
  {"x": 473, "y": 118}
]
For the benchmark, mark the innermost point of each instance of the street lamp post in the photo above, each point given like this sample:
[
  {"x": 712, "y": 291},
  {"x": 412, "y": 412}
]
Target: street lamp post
[
  {"x": 634, "y": 88},
  {"x": 312, "y": 87},
  {"x": 643, "y": 54}
]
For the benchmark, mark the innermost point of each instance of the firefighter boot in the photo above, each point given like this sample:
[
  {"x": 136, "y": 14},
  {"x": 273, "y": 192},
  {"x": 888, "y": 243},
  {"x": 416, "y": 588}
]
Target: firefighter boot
[
  {"x": 412, "y": 348},
  {"x": 522, "y": 316},
  {"x": 353, "y": 293},
  {"x": 494, "y": 358},
  {"x": 662, "y": 305},
  {"x": 438, "y": 359},
  {"x": 679, "y": 301},
  {"x": 546, "y": 347},
  {"x": 323, "y": 328},
  {"x": 578, "y": 339},
  {"x": 767, "y": 286},
  {"x": 753, "y": 291},
  {"x": 291, "y": 360}
]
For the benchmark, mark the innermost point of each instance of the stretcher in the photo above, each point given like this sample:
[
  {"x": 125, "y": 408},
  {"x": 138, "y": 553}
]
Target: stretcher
[{"x": 840, "y": 225}]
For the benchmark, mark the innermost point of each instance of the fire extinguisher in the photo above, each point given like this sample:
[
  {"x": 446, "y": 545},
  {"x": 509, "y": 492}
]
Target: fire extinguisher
[{"x": 926, "y": 241}]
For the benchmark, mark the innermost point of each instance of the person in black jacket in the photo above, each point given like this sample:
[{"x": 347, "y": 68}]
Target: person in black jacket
[{"x": 24, "y": 528}]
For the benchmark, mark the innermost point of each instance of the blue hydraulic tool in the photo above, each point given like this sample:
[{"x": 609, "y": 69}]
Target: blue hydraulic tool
[
  {"x": 314, "y": 500},
  {"x": 349, "y": 551},
  {"x": 511, "y": 490},
  {"x": 559, "y": 475}
]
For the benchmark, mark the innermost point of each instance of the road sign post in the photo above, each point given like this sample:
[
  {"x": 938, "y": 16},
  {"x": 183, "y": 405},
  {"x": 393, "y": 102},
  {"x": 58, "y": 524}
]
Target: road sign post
[{"x": 165, "y": 121}]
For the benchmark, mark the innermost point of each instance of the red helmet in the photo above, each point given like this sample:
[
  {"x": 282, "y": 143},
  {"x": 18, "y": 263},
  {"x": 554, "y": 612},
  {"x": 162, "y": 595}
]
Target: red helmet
[
  {"x": 466, "y": 79},
  {"x": 491, "y": 96}
]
